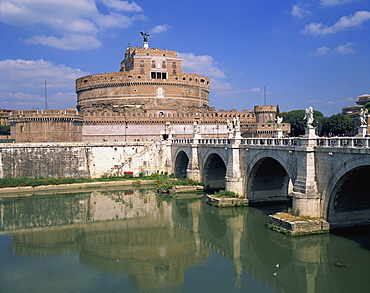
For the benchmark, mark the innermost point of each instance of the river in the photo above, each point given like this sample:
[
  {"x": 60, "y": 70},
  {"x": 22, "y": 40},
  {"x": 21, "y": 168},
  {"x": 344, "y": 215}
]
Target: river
[{"x": 136, "y": 241}]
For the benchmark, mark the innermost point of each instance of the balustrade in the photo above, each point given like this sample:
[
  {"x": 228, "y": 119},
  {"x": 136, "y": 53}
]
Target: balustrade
[{"x": 338, "y": 142}]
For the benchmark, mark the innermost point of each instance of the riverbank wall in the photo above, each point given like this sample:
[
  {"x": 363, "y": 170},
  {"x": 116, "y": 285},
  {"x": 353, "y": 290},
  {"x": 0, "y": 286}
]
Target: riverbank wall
[{"x": 90, "y": 160}]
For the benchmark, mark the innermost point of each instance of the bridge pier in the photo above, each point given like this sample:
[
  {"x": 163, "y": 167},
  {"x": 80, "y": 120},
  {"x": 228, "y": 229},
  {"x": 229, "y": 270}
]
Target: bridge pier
[
  {"x": 193, "y": 170},
  {"x": 234, "y": 180},
  {"x": 306, "y": 198}
]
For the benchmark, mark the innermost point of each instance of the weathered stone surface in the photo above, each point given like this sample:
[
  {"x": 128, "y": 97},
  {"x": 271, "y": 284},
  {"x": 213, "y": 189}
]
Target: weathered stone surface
[
  {"x": 183, "y": 188},
  {"x": 226, "y": 201},
  {"x": 82, "y": 160},
  {"x": 298, "y": 226}
]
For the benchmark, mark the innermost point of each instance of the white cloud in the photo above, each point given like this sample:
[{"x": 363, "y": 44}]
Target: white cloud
[
  {"x": 220, "y": 86},
  {"x": 344, "y": 49},
  {"x": 334, "y": 2},
  {"x": 229, "y": 93},
  {"x": 345, "y": 22},
  {"x": 122, "y": 5},
  {"x": 256, "y": 90},
  {"x": 59, "y": 20},
  {"x": 24, "y": 84},
  {"x": 203, "y": 64},
  {"x": 68, "y": 42},
  {"x": 298, "y": 11},
  {"x": 321, "y": 51},
  {"x": 160, "y": 29}
]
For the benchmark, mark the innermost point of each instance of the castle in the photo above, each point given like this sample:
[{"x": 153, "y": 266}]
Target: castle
[{"x": 148, "y": 98}]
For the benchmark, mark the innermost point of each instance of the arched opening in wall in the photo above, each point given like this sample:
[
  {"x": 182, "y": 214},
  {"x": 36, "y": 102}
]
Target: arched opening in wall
[
  {"x": 181, "y": 165},
  {"x": 268, "y": 182},
  {"x": 214, "y": 173},
  {"x": 349, "y": 203}
]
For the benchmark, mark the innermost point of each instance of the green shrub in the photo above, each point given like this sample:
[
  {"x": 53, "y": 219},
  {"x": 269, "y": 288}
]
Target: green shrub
[{"x": 226, "y": 193}]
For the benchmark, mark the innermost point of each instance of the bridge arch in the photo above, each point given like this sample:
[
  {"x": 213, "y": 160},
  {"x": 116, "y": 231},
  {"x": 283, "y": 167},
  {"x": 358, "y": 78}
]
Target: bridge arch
[
  {"x": 214, "y": 172},
  {"x": 346, "y": 197},
  {"x": 268, "y": 178},
  {"x": 181, "y": 164}
]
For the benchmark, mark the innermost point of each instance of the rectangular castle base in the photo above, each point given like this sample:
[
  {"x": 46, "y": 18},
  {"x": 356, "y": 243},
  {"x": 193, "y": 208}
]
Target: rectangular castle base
[
  {"x": 226, "y": 201},
  {"x": 297, "y": 226}
]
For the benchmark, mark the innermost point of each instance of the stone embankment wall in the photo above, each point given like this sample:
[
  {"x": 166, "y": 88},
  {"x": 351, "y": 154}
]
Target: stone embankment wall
[{"x": 82, "y": 159}]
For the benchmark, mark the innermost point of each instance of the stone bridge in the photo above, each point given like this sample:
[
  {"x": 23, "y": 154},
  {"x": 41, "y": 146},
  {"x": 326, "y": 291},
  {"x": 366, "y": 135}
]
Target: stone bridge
[{"x": 324, "y": 177}]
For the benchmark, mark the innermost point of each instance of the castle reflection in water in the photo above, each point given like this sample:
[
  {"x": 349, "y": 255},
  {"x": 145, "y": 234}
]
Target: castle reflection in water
[{"x": 156, "y": 240}]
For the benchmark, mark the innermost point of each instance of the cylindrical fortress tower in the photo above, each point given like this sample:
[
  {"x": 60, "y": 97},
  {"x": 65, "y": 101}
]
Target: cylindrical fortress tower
[
  {"x": 150, "y": 80},
  {"x": 265, "y": 113}
]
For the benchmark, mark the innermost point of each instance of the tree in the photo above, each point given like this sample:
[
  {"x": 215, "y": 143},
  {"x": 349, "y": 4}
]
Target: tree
[
  {"x": 338, "y": 124},
  {"x": 4, "y": 129},
  {"x": 366, "y": 106},
  {"x": 297, "y": 124}
]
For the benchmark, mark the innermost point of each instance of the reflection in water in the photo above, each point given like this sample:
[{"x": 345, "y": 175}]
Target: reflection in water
[{"x": 132, "y": 241}]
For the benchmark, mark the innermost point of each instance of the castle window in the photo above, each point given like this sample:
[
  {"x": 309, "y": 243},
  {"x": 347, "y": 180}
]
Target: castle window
[
  {"x": 173, "y": 64},
  {"x": 22, "y": 128},
  {"x": 174, "y": 72},
  {"x": 141, "y": 63},
  {"x": 158, "y": 75},
  {"x": 153, "y": 64},
  {"x": 163, "y": 64}
]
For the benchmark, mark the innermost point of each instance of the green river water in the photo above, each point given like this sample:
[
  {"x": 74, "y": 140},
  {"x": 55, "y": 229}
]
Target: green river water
[{"x": 136, "y": 241}]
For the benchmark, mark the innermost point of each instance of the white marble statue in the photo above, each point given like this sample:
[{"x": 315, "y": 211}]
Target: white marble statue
[
  {"x": 309, "y": 117},
  {"x": 363, "y": 117},
  {"x": 236, "y": 123},
  {"x": 279, "y": 120},
  {"x": 229, "y": 126},
  {"x": 196, "y": 127}
]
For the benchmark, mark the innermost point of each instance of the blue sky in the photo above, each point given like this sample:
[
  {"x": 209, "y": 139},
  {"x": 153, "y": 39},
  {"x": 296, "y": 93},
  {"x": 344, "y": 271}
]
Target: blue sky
[{"x": 306, "y": 53}]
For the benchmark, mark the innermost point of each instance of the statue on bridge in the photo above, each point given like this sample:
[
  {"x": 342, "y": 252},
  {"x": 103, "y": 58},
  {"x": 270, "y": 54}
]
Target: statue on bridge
[
  {"x": 279, "y": 120},
  {"x": 363, "y": 117},
  {"x": 236, "y": 124},
  {"x": 309, "y": 117},
  {"x": 196, "y": 127},
  {"x": 229, "y": 126}
]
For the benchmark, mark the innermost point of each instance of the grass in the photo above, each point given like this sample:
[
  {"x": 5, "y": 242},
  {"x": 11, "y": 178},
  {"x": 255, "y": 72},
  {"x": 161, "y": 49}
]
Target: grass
[
  {"x": 289, "y": 217},
  {"x": 226, "y": 193},
  {"x": 26, "y": 181},
  {"x": 164, "y": 183}
]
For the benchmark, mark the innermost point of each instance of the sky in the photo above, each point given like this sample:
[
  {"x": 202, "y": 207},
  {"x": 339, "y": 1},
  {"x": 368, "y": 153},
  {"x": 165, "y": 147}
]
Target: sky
[{"x": 293, "y": 54}]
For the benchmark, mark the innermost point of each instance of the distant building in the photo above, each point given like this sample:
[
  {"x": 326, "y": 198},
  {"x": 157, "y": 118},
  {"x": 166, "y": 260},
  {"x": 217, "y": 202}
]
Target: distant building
[
  {"x": 4, "y": 114},
  {"x": 361, "y": 101},
  {"x": 354, "y": 112},
  {"x": 46, "y": 125}
]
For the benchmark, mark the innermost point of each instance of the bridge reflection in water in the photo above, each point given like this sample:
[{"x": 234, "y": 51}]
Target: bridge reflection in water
[{"x": 134, "y": 241}]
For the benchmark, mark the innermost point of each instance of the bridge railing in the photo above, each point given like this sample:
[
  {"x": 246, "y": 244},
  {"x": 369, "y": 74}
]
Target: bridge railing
[
  {"x": 271, "y": 141},
  {"x": 363, "y": 142},
  {"x": 343, "y": 142}
]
